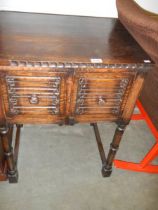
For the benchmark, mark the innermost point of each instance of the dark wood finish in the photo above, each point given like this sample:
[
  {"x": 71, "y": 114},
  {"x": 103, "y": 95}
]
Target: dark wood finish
[
  {"x": 66, "y": 70},
  {"x": 17, "y": 143},
  {"x": 100, "y": 146},
  {"x": 3, "y": 176},
  {"x": 61, "y": 38},
  {"x": 8, "y": 153},
  {"x": 113, "y": 149}
]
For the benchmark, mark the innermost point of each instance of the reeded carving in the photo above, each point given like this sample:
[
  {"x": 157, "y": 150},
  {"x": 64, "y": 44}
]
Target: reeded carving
[
  {"x": 123, "y": 85},
  {"x": 102, "y": 102},
  {"x": 82, "y": 85},
  {"x": 16, "y": 108},
  {"x": 12, "y": 96}
]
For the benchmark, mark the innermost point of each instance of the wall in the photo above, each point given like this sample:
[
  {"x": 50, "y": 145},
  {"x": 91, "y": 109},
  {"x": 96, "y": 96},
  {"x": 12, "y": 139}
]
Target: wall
[
  {"x": 81, "y": 7},
  {"x": 151, "y": 5}
]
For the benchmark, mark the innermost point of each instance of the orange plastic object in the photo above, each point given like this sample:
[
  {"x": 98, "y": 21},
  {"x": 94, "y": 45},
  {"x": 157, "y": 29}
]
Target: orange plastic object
[{"x": 145, "y": 164}]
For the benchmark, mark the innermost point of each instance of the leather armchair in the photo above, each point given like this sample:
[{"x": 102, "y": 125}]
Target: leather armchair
[{"x": 143, "y": 26}]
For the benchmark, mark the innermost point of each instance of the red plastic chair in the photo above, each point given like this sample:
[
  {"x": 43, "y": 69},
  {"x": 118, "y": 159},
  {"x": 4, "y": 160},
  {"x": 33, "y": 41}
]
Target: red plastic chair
[{"x": 145, "y": 164}]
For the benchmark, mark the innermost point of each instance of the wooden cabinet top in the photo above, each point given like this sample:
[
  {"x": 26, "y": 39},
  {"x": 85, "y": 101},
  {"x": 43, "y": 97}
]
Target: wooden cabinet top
[{"x": 62, "y": 38}]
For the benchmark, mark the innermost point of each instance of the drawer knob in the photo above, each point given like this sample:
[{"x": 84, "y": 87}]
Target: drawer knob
[
  {"x": 34, "y": 99},
  {"x": 101, "y": 101}
]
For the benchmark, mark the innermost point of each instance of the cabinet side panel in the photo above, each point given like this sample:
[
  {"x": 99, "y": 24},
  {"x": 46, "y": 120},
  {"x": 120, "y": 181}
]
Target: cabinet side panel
[{"x": 133, "y": 96}]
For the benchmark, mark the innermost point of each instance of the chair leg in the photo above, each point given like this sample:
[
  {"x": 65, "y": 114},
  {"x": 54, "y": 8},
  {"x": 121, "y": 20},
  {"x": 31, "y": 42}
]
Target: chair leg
[
  {"x": 107, "y": 170},
  {"x": 145, "y": 164},
  {"x": 12, "y": 172}
]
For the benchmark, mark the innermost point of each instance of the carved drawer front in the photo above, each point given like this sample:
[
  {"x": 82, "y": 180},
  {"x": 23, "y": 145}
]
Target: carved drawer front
[
  {"x": 100, "y": 95},
  {"x": 34, "y": 95}
]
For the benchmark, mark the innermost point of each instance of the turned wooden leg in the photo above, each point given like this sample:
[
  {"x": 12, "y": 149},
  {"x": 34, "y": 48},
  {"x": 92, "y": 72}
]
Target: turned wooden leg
[
  {"x": 10, "y": 134},
  {"x": 17, "y": 142},
  {"x": 12, "y": 172},
  {"x": 99, "y": 144},
  {"x": 107, "y": 169}
]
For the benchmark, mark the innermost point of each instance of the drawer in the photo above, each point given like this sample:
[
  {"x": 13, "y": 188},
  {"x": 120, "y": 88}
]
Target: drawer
[
  {"x": 33, "y": 95},
  {"x": 98, "y": 94}
]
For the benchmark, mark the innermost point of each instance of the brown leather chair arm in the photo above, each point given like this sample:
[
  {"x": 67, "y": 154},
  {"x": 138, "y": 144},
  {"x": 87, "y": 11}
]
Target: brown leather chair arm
[{"x": 142, "y": 25}]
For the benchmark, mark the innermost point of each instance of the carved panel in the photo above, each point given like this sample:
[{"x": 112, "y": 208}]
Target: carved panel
[
  {"x": 99, "y": 96},
  {"x": 33, "y": 94},
  {"x": 82, "y": 85}
]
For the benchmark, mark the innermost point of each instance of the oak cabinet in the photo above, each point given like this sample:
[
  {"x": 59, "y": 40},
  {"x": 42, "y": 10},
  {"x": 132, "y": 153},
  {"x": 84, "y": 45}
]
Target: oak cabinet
[
  {"x": 57, "y": 96},
  {"x": 66, "y": 70}
]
